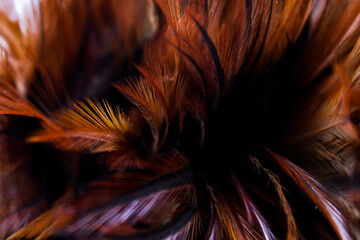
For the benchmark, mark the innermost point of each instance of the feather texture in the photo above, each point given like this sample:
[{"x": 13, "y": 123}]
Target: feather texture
[
  {"x": 91, "y": 126},
  {"x": 232, "y": 119}
]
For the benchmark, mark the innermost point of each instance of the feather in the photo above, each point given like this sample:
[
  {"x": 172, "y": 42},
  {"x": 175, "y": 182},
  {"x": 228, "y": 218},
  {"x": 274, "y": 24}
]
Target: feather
[
  {"x": 22, "y": 200},
  {"x": 317, "y": 194},
  {"x": 292, "y": 231},
  {"x": 329, "y": 135},
  {"x": 110, "y": 214},
  {"x": 12, "y": 103},
  {"x": 231, "y": 225},
  {"x": 252, "y": 211},
  {"x": 239, "y": 119},
  {"x": 341, "y": 32},
  {"x": 16, "y": 68},
  {"x": 143, "y": 95},
  {"x": 90, "y": 125}
]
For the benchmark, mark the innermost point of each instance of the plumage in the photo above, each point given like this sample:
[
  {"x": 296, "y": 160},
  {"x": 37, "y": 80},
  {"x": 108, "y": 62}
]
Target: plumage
[{"x": 180, "y": 119}]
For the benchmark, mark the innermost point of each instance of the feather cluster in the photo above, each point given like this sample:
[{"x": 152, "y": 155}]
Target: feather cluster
[{"x": 180, "y": 119}]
